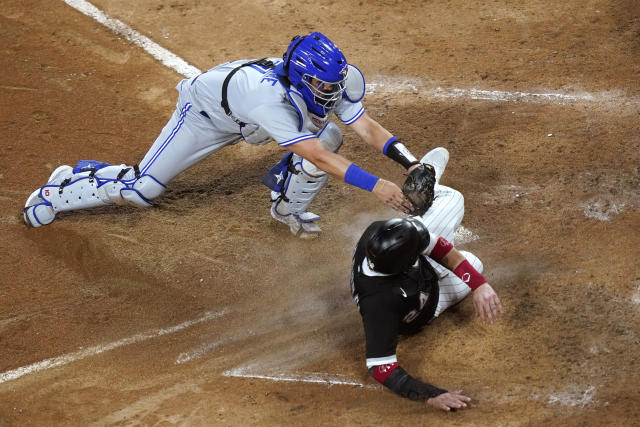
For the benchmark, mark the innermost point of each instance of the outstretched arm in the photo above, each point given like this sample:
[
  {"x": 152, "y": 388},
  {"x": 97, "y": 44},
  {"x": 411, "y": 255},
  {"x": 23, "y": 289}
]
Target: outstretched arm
[
  {"x": 344, "y": 170},
  {"x": 374, "y": 134},
  {"x": 485, "y": 300},
  {"x": 381, "y": 322},
  {"x": 400, "y": 382},
  {"x": 371, "y": 131}
]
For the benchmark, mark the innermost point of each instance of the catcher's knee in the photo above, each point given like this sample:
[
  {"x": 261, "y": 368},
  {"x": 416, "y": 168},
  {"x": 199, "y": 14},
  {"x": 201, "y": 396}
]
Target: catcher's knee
[
  {"x": 301, "y": 186},
  {"x": 309, "y": 171},
  {"x": 331, "y": 138},
  {"x": 124, "y": 184},
  {"x": 143, "y": 190}
]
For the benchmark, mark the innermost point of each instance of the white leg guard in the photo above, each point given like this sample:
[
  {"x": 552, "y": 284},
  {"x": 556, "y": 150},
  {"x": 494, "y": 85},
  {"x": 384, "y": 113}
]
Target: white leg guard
[
  {"x": 302, "y": 186},
  {"x": 89, "y": 184},
  {"x": 452, "y": 288}
]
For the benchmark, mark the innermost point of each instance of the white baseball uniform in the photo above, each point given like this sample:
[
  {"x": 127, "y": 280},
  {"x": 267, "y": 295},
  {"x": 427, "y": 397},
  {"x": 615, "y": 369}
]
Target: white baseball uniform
[
  {"x": 262, "y": 108},
  {"x": 200, "y": 126}
]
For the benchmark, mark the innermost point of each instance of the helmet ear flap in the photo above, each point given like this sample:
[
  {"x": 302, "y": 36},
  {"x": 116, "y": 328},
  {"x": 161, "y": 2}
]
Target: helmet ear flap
[{"x": 423, "y": 232}]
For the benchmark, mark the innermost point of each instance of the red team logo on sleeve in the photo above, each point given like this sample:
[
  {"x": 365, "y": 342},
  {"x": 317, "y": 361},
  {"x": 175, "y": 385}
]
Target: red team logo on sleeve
[
  {"x": 381, "y": 372},
  {"x": 46, "y": 192},
  {"x": 441, "y": 249}
]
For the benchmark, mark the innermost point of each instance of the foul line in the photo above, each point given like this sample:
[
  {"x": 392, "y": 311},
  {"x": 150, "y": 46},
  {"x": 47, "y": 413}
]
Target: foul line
[
  {"x": 383, "y": 85},
  {"x": 386, "y": 85},
  {"x": 92, "y": 351},
  {"x": 317, "y": 378},
  {"x": 161, "y": 54}
]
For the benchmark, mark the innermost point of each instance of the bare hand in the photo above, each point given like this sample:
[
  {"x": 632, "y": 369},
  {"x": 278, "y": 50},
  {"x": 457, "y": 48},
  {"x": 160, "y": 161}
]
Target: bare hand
[
  {"x": 391, "y": 195},
  {"x": 487, "y": 304},
  {"x": 449, "y": 401}
]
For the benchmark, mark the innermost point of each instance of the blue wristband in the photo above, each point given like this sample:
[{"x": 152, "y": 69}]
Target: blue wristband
[
  {"x": 388, "y": 143},
  {"x": 360, "y": 178}
]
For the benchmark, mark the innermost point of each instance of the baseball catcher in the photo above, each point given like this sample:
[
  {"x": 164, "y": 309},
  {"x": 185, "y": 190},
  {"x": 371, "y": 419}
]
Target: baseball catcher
[
  {"x": 290, "y": 100},
  {"x": 406, "y": 272}
]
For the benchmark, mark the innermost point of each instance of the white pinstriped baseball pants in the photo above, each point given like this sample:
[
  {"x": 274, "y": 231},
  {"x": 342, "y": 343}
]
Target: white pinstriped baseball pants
[{"x": 443, "y": 219}]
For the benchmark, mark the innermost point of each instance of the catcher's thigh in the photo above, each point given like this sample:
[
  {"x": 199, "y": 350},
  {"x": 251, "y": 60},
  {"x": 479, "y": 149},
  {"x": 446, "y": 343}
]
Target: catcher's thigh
[
  {"x": 452, "y": 288},
  {"x": 186, "y": 139}
]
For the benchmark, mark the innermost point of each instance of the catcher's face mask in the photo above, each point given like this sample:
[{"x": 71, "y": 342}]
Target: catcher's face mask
[{"x": 325, "y": 93}]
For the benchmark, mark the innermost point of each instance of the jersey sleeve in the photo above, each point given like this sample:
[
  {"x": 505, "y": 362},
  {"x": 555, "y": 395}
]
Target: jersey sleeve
[
  {"x": 380, "y": 329},
  {"x": 433, "y": 239},
  {"x": 348, "y": 112},
  {"x": 281, "y": 121}
]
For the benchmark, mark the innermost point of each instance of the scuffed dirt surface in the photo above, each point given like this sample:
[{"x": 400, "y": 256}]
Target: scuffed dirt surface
[{"x": 552, "y": 193}]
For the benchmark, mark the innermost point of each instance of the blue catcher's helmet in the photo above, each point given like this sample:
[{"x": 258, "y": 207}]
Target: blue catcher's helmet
[{"x": 318, "y": 69}]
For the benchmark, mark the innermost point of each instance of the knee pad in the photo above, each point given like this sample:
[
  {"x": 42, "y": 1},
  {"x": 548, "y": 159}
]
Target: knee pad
[
  {"x": 304, "y": 180},
  {"x": 302, "y": 185},
  {"x": 331, "y": 138},
  {"x": 142, "y": 191},
  {"x": 123, "y": 184}
]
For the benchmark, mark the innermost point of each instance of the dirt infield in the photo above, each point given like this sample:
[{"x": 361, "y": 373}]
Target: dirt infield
[{"x": 203, "y": 311}]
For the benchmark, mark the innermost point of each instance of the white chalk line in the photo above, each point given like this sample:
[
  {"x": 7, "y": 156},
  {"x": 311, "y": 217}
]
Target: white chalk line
[
  {"x": 415, "y": 85},
  {"x": 197, "y": 353},
  {"x": 572, "y": 397},
  {"x": 383, "y": 85},
  {"x": 575, "y": 396},
  {"x": 302, "y": 377},
  {"x": 167, "y": 58},
  {"x": 95, "y": 350}
]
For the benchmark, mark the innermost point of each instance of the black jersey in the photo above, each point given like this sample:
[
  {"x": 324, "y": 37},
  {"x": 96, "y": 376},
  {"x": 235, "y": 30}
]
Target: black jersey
[{"x": 391, "y": 305}]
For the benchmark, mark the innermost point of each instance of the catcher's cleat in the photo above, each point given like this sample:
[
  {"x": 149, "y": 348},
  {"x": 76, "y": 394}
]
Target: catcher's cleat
[
  {"x": 302, "y": 225},
  {"x": 37, "y": 210},
  {"x": 438, "y": 158}
]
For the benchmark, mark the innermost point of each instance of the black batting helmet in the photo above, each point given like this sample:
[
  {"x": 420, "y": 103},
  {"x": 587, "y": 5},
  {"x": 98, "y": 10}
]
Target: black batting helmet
[{"x": 395, "y": 245}]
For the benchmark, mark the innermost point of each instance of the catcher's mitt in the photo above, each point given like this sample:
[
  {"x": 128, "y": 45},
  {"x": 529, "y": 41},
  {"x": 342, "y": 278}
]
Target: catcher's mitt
[{"x": 418, "y": 188}]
